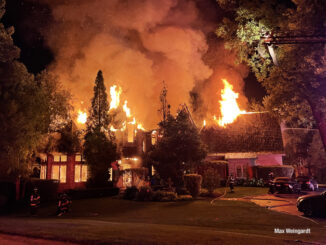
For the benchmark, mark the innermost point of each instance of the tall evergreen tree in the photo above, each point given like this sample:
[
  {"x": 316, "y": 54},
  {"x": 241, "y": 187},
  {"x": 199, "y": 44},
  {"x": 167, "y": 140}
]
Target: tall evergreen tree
[
  {"x": 99, "y": 118},
  {"x": 100, "y": 150}
]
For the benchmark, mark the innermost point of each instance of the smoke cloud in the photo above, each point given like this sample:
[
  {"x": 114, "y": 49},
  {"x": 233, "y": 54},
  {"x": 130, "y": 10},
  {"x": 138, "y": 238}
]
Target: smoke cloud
[{"x": 138, "y": 44}]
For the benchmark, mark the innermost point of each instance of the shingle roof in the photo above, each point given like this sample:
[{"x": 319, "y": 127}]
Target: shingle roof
[{"x": 258, "y": 132}]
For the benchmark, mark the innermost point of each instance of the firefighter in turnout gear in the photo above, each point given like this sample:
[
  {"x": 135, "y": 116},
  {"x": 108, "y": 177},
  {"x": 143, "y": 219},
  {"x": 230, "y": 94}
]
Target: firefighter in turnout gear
[
  {"x": 63, "y": 204},
  {"x": 231, "y": 183},
  {"x": 35, "y": 201},
  {"x": 270, "y": 182}
]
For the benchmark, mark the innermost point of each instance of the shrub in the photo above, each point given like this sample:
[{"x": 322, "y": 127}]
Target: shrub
[
  {"x": 218, "y": 166},
  {"x": 184, "y": 198},
  {"x": 145, "y": 194},
  {"x": 182, "y": 191},
  {"x": 164, "y": 196},
  {"x": 211, "y": 180},
  {"x": 193, "y": 184},
  {"x": 93, "y": 192},
  {"x": 130, "y": 193}
]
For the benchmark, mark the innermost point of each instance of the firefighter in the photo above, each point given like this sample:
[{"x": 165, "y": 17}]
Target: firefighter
[
  {"x": 231, "y": 183},
  {"x": 270, "y": 182},
  {"x": 35, "y": 201},
  {"x": 63, "y": 204}
]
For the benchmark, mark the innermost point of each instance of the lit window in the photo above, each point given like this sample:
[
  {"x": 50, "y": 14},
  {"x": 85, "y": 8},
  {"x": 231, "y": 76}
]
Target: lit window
[
  {"x": 63, "y": 173},
  {"x": 43, "y": 172},
  {"x": 63, "y": 158},
  {"x": 77, "y": 173},
  {"x": 84, "y": 173},
  {"x": 59, "y": 172},
  {"x": 56, "y": 158},
  {"x": 55, "y": 172},
  {"x": 80, "y": 173},
  {"x": 153, "y": 137},
  {"x": 78, "y": 158}
]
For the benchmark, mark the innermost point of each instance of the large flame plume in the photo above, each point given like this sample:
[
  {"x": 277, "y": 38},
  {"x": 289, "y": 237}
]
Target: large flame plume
[
  {"x": 228, "y": 105},
  {"x": 82, "y": 117},
  {"x": 115, "y": 92},
  {"x": 115, "y": 97}
]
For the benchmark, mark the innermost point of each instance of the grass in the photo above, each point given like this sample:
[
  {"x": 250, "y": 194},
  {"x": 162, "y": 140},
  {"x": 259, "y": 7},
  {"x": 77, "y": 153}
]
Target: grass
[
  {"x": 112, "y": 220},
  {"x": 240, "y": 191}
]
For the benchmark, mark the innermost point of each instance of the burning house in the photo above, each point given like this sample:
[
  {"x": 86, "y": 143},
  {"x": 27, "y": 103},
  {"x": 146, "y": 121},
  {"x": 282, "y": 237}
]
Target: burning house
[
  {"x": 253, "y": 139},
  {"x": 243, "y": 139}
]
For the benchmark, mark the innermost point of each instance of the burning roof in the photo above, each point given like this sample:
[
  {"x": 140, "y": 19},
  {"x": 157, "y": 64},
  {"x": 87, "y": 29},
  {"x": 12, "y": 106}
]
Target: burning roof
[{"x": 254, "y": 132}]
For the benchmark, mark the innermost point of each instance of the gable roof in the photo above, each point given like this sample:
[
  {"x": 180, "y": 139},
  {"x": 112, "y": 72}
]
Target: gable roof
[{"x": 256, "y": 132}]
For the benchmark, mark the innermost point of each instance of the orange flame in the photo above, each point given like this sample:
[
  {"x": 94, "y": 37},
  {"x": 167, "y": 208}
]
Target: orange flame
[
  {"x": 115, "y": 92},
  {"x": 126, "y": 109},
  {"x": 229, "y": 107},
  {"x": 82, "y": 117},
  {"x": 115, "y": 97}
]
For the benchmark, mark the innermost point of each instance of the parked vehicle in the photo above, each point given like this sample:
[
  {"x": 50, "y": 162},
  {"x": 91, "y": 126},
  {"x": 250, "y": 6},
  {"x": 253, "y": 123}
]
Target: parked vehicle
[
  {"x": 307, "y": 183},
  {"x": 312, "y": 205},
  {"x": 284, "y": 185}
]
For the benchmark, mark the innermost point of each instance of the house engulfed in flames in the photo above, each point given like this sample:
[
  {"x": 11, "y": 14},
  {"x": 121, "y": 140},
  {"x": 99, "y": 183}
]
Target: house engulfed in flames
[{"x": 243, "y": 139}]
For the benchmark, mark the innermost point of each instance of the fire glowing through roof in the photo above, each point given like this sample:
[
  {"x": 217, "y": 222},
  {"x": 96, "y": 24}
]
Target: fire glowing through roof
[
  {"x": 228, "y": 105},
  {"x": 115, "y": 92}
]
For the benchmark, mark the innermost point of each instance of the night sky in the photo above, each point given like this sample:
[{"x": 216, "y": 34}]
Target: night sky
[{"x": 30, "y": 18}]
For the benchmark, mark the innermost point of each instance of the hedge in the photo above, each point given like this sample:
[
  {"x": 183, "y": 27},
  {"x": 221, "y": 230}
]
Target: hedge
[{"x": 193, "y": 183}]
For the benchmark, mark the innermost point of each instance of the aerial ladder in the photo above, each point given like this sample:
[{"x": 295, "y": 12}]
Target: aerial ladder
[{"x": 269, "y": 39}]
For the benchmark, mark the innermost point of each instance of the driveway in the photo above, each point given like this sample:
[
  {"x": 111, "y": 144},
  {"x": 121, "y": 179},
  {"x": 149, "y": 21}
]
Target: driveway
[{"x": 285, "y": 203}]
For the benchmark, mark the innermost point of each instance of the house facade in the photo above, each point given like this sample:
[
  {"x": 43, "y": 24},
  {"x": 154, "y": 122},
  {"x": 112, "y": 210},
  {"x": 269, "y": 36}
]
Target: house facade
[
  {"x": 252, "y": 140},
  {"x": 70, "y": 169}
]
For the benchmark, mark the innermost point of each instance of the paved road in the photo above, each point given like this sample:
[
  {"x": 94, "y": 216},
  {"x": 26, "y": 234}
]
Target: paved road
[{"x": 21, "y": 240}]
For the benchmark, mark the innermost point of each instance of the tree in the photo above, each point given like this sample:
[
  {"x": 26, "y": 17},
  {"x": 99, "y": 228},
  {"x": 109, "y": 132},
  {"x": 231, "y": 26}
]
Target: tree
[
  {"x": 99, "y": 117},
  {"x": 179, "y": 149},
  {"x": 296, "y": 86},
  {"x": 100, "y": 149},
  {"x": 69, "y": 141},
  {"x": 27, "y": 110},
  {"x": 99, "y": 152}
]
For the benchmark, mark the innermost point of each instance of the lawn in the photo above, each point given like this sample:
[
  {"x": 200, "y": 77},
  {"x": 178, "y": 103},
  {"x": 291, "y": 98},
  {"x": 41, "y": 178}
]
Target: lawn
[
  {"x": 240, "y": 191},
  {"x": 116, "y": 221}
]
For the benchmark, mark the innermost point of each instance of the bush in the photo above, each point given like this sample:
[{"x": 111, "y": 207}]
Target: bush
[
  {"x": 182, "y": 191},
  {"x": 211, "y": 180},
  {"x": 184, "y": 198},
  {"x": 193, "y": 184},
  {"x": 130, "y": 193},
  {"x": 164, "y": 196},
  {"x": 145, "y": 194},
  {"x": 93, "y": 193}
]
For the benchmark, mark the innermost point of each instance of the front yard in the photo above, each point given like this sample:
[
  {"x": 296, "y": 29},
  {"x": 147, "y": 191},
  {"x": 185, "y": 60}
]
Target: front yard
[{"x": 112, "y": 220}]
